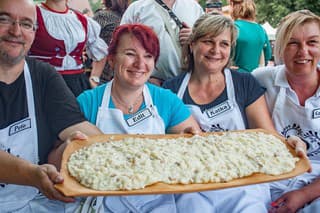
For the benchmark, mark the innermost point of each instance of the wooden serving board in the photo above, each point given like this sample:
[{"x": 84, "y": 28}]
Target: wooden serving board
[{"x": 71, "y": 187}]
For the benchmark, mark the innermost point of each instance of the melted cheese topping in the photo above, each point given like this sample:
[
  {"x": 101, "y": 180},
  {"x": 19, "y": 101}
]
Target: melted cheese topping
[{"x": 134, "y": 163}]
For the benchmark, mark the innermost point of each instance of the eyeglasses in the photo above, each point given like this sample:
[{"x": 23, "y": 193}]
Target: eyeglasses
[
  {"x": 25, "y": 25},
  {"x": 217, "y": 5}
]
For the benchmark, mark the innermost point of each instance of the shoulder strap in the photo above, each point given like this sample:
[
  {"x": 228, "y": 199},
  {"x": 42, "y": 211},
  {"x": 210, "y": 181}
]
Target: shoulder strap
[
  {"x": 172, "y": 32},
  {"x": 172, "y": 15}
]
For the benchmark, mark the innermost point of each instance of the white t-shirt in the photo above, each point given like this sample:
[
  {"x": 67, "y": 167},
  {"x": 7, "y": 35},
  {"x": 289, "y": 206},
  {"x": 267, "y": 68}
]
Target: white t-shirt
[{"x": 145, "y": 12}]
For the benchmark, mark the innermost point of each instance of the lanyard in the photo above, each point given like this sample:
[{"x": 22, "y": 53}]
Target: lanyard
[{"x": 172, "y": 15}]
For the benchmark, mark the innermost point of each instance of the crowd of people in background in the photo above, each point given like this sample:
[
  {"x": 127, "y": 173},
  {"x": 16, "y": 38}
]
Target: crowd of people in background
[{"x": 170, "y": 61}]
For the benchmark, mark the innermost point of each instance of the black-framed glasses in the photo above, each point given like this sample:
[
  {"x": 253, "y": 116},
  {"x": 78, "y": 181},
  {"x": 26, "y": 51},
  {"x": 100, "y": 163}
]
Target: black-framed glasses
[
  {"x": 25, "y": 25},
  {"x": 217, "y": 5}
]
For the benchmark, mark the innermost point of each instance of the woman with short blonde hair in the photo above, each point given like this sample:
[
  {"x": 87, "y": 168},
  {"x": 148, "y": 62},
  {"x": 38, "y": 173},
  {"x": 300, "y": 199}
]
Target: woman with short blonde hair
[
  {"x": 293, "y": 98},
  {"x": 287, "y": 25}
]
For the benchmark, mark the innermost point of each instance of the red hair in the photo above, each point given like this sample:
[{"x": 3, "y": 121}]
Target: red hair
[{"x": 144, "y": 34}]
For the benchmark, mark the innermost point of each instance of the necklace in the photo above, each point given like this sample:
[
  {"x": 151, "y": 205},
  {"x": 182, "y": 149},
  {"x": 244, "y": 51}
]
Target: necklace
[{"x": 129, "y": 107}]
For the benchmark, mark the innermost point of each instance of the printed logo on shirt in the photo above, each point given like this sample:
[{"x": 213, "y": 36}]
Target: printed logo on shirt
[
  {"x": 139, "y": 117},
  {"x": 20, "y": 126},
  {"x": 316, "y": 113},
  {"x": 219, "y": 109}
]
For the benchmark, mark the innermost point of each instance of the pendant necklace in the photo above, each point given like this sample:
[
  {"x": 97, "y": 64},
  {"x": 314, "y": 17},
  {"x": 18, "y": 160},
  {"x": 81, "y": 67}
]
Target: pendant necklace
[{"x": 130, "y": 108}]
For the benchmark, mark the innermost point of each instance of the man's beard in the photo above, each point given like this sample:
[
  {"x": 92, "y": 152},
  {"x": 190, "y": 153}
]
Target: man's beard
[{"x": 7, "y": 60}]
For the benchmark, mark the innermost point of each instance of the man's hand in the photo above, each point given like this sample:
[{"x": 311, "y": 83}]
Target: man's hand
[
  {"x": 55, "y": 156},
  {"x": 184, "y": 34},
  {"x": 46, "y": 176}
]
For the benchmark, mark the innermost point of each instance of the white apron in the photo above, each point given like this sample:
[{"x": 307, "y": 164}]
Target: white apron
[
  {"x": 223, "y": 117},
  {"x": 112, "y": 121},
  {"x": 292, "y": 119},
  {"x": 145, "y": 121},
  {"x": 20, "y": 139}
]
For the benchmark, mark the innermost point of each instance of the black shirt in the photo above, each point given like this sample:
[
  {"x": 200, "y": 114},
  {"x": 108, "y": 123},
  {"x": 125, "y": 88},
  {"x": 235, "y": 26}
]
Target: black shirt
[
  {"x": 55, "y": 106},
  {"x": 247, "y": 90}
]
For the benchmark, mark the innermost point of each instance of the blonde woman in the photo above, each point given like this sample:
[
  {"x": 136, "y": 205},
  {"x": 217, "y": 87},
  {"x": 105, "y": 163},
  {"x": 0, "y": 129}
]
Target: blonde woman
[
  {"x": 293, "y": 98},
  {"x": 220, "y": 99}
]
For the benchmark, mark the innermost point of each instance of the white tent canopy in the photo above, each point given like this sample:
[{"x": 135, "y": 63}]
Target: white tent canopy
[{"x": 271, "y": 32}]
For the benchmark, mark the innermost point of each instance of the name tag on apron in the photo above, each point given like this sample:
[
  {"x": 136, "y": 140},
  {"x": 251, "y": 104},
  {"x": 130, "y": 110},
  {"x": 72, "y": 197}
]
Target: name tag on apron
[
  {"x": 316, "y": 113},
  {"x": 139, "y": 117},
  {"x": 219, "y": 109},
  {"x": 20, "y": 126}
]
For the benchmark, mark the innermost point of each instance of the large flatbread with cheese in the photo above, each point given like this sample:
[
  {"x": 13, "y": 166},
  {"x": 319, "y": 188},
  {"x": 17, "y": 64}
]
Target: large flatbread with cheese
[{"x": 154, "y": 164}]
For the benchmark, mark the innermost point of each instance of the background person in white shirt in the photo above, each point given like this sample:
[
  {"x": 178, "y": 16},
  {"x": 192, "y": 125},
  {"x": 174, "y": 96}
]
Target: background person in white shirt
[
  {"x": 150, "y": 13},
  {"x": 61, "y": 38}
]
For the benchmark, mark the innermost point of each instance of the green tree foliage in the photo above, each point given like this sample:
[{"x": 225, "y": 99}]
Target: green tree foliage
[
  {"x": 273, "y": 10},
  {"x": 38, "y": 1},
  {"x": 95, "y": 5}
]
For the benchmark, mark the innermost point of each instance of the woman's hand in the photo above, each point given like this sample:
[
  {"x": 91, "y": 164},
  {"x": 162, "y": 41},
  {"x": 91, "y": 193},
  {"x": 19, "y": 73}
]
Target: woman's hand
[
  {"x": 289, "y": 202},
  {"x": 300, "y": 148},
  {"x": 191, "y": 130}
]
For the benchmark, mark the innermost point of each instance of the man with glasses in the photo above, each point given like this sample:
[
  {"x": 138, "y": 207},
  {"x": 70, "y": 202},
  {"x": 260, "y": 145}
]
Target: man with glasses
[
  {"x": 36, "y": 109},
  {"x": 213, "y": 6}
]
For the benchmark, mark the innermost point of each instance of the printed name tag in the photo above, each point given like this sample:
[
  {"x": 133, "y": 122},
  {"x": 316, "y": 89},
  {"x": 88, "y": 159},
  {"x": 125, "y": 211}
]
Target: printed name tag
[
  {"x": 219, "y": 109},
  {"x": 138, "y": 117},
  {"x": 316, "y": 113},
  {"x": 20, "y": 126}
]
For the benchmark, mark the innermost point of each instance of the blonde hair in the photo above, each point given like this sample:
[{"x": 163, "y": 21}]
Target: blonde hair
[
  {"x": 244, "y": 9},
  {"x": 286, "y": 27},
  {"x": 212, "y": 24}
]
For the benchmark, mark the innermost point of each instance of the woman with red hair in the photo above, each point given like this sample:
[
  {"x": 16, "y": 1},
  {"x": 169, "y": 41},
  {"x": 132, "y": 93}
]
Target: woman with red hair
[
  {"x": 119, "y": 105},
  {"x": 133, "y": 52}
]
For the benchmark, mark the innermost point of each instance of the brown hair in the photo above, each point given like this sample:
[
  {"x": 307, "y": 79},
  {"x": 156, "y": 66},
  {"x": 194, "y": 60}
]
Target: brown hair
[
  {"x": 212, "y": 24},
  {"x": 244, "y": 9},
  {"x": 117, "y": 5}
]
